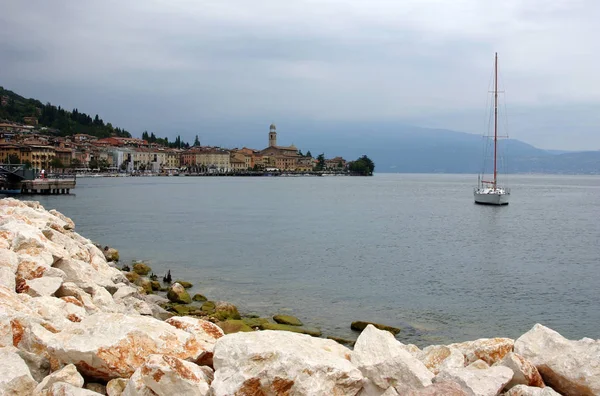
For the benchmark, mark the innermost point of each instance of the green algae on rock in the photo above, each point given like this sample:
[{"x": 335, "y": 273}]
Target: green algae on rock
[
  {"x": 178, "y": 294},
  {"x": 360, "y": 326},
  {"x": 234, "y": 326},
  {"x": 141, "y": 269},
  {"x": 342, "y": 341},
  {"x": 199, "y": 297},
  {"x": 295, "y": 329},
  {"x": 287, "y": 320},
  {"x": 255, "y": 322},
  {"x": 208, "y": 307},
  {"x": 225, "y": 310},
  {"x": 185, "y": 284}
]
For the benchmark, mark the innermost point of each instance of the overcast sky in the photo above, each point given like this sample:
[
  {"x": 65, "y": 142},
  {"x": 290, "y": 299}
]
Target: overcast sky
[{"x": 180, "y": 66}]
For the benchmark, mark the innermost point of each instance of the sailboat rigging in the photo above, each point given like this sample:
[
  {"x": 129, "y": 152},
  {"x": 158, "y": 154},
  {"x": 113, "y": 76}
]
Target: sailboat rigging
[{"x": 489, "y": 192}]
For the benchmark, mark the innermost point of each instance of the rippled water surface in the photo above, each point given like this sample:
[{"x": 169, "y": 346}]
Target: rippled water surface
[{"x": 406, "y": 250}]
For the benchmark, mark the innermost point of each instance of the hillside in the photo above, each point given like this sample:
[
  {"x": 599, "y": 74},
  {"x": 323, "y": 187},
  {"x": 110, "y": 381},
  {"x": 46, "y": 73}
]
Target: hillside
[
  {"x": 408, "y": 149},
  {"x": 63, "y": 122}
]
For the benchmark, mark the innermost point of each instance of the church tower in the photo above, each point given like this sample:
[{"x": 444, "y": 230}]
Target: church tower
[{"x": 273, "y": 136}]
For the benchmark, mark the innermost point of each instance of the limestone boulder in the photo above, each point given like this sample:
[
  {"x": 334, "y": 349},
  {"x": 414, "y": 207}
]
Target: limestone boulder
[
  {"x": 115, "y": 387},
  {"x": 108, "y": 345},
  {"x": 440, "y": 357},
  {"x": 205, "y": 333},
  {"x": 524, "y": 390},
  {"x": 125, "y": 291},
  {"x": 442, "y": 388},
  {"x": 67, "y": 374},
  {"x": 478, "y": 365},
  {"x": 72, "y": 249},
  {"x": 490, "y": 350},
  {"x": 68, "y": 224},
  {"x": 385, "y": 362},
  {"x": 33, "y": 266},
  {"x": 167, "y": 375},
  {"x": 139, "y": 306},
  {"x": 57, "y": 312},
  {"x": 70, "y": 289},
  {"x": 44, "y": 286},
  {"x": 482, "y": 382},
  {"x": 178, "y": 294},
  {"x": 65, "y": 389},
  {"x": 569, "y": 367},
  {"x": 9, "y": 259},
  {"x": 15, "y": 378},
  {"x": 524, "y": 371},
  {"x": 82, "y": 273},
  {"x": 39, "y": 366},
  {"x": 7, "y": 278},
  {"x": 135, "y": 386},
  {"x": 279, "y": 363}
]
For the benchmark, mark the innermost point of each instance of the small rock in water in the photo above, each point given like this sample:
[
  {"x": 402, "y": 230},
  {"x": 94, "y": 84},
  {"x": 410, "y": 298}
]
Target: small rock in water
[
  {"x": 342, "y": 341},
  {"x": 360, "y": 326},
  {"x": 199, "y": 297},
  {"x": 234, "y": 326},
  {"x": 287, "y": 320},
  {"x": 185, "y": 284},
  {"x": 141, "y": 269},
  {"x": 295, "y": 329},
  {"x": 178, "y": 294}
]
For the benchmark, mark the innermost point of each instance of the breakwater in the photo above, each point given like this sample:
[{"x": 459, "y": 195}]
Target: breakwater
[{"x": 70, "y": 319}]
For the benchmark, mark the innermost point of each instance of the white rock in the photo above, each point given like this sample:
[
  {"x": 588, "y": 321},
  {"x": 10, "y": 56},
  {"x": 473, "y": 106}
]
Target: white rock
[
  {"x": 125, "y": 291},
  {"x": 205, "y": 333},
  {"x": 478, "y": 365},
  {"x": 64, "y": 389},
  {"x": 31, "y": 267},
  {"x": 524, "y": 371},
  {"x": 7, "y": 278},
  {"x": 136, "y": 387},
  {"x": 276, "y": 362},
  {"x": 9, "y": 260},
  {"x": 44, "y": 286},
  {"x": 490, "y": 350},
  {"x": 440, "y": 357},
  {"x": 140, "y": 306},
  {"x": 524, "y": 390},
  {"x": 70, "y": 289},
  {"x": 82, "y": 273},
  {"x": 39, "y": 366},
  {"x": 569, "y": 367},
  {"x": 57, "y": 312},
  {"x": 115, "y": 387},
  {"x": 167, "y": 375},
  {"x": 483, "y": 382},
  {"x": 72, "y": 248},
  {"x": 384, "y": 361},
  {"x": 107, "y": 346},
  {"x": 70, "y": 225},
  {"x": 15, "y": 378},
  {"x": 67, "y": 374}
]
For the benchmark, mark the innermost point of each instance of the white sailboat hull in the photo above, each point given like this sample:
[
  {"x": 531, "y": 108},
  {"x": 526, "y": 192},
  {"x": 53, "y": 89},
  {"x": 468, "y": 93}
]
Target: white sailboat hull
[{"x": 491, "y": 197}]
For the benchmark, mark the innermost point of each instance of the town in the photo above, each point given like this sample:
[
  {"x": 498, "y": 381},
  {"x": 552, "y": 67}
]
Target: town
[{"x": 38, "y": 149}]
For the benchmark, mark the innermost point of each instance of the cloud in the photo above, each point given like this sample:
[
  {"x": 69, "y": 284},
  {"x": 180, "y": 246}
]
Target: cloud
[{"x": 321, "y": 60}]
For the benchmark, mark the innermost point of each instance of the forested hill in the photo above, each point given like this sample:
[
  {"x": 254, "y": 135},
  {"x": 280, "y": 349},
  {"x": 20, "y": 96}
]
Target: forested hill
[{"x": 66, "y": 123}]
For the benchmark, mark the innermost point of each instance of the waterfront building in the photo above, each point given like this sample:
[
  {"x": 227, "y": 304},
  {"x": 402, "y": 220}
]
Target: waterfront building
[{"x": 283, "y": 157}]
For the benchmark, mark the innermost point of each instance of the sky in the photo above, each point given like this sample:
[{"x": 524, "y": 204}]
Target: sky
[{"x": 226, "y": 69}]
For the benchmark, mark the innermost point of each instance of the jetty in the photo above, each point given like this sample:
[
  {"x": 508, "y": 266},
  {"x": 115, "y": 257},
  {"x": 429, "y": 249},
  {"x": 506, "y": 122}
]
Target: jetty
[{"x": 16, "y": 179}]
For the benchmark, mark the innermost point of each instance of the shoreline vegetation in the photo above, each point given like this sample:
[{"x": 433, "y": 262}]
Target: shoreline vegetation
[{"x": 73, "y": 323}]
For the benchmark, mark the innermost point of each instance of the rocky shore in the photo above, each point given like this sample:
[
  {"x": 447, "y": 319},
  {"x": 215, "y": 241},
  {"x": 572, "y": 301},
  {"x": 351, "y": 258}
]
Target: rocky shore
[{"x": 72, "y": 323}]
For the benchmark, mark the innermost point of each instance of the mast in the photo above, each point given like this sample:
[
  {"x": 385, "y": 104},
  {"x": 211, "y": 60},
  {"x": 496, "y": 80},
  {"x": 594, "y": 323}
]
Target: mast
[{"x": 495, "y": 117}]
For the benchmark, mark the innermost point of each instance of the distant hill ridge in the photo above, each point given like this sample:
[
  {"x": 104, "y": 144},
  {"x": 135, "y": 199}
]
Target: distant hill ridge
[{"x": 16, "y": 108}]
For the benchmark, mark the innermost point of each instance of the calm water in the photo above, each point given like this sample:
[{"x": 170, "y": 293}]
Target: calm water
[{"x": 406, "y": 250}]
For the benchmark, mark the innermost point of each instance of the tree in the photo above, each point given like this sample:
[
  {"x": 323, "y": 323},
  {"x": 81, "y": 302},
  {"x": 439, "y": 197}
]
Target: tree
[
  {"x": 93, "y": 164},
  {"x": 308, "y": 154},
  {"x": 103, "y": 164},
  {"x": 300, "y": 153},
  {"x": 363, "y": 166},
  {"x": 196, "y": 141},
  {"x": 14, "y": 159},
  {"x": 75, "y": 163},
  {"x": 320, "y": 162},
  {"x": 56, "y": 163}
]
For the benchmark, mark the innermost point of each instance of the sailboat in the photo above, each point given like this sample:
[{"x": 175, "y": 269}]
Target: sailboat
[{"x": 489, "y": 192}]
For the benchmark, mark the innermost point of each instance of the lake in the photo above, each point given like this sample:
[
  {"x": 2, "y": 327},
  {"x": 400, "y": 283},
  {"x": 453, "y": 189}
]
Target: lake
[{"x": 411, "y": 251}]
